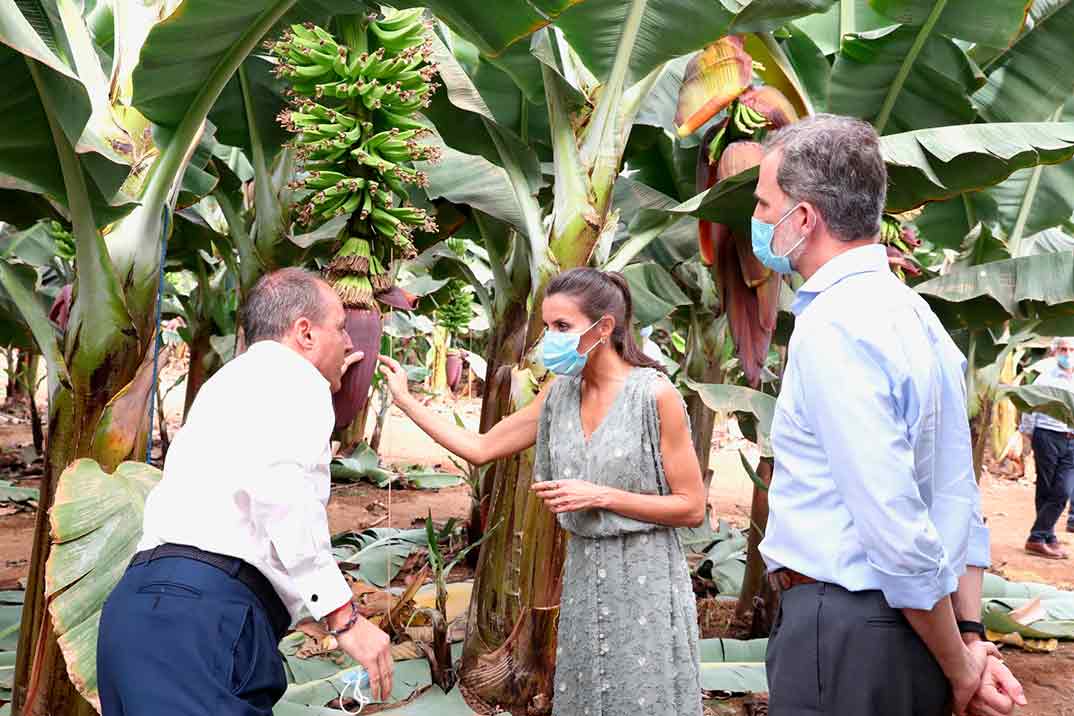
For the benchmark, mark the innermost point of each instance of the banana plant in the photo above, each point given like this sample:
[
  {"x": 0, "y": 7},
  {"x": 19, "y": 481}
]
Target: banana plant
[{"x": 93, "y": 140}]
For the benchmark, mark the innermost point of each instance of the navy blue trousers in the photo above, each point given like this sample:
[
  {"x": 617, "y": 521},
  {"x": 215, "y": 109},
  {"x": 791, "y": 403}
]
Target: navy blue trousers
[
  {"x": 183, "y": 638},
  {"x": 1054, "y": 453}
]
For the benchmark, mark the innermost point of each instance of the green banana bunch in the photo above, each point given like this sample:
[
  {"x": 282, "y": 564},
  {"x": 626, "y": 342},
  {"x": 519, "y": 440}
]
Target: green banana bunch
[{"x": 353, "y": 110}]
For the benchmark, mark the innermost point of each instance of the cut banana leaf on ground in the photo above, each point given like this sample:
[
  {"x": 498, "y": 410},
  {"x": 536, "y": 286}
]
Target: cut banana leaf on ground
[
  {"x": 7, "y": 674},
  {"x": 725, "y": 565},
  {"x": 430, "y": 479},
  {"x": 96, "y": 522},
  {"x": 700, "y": 539},
  {"x": 376, "y": 555},
  {"x": 10, "y": 618},
  {"x": 363, "y": 464},
  {"x": 996, "y": 587},
  {"x": 316, "y": 682},
  {"x": 733, "y": 666},
  {"x": 10, "y": 492},
  {"x": 1037, "y": 618}
]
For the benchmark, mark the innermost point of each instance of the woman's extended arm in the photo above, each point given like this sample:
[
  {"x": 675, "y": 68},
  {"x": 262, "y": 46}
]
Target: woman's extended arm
[
  {"x": 513, "y": 434},
  {"x": 684, "y": 507}
]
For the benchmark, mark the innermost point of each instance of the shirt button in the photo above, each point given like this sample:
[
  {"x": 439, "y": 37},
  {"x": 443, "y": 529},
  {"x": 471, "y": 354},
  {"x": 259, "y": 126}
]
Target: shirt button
[{"x": 313, "y": 598}]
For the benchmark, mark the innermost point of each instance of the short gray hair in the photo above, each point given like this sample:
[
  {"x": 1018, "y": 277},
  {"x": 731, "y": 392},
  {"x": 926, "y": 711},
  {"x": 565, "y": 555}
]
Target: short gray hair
[
  {"x": 1061, "y": 341},
  {"x": 280, "y": 298},
  {"x": 835, "y": 164}
]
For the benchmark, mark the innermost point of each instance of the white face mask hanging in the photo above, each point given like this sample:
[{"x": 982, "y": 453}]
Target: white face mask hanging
[{"x": 356, "y": 679}]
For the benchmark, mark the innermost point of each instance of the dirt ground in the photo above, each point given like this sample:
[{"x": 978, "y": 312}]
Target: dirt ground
[{"x": 1008, "y": 505}]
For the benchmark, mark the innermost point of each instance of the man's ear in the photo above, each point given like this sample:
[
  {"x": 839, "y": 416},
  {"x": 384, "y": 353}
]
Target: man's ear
[
  {"x": 303, "y": 332},
  {"x": 812, "y": 219}
]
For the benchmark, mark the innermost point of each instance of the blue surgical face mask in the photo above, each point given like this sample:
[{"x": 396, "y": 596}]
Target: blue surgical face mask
[
  {"x": 559, "y": 352},
  {"x": 1063, "y": 359},
  {"x": 762, "y": 234}
]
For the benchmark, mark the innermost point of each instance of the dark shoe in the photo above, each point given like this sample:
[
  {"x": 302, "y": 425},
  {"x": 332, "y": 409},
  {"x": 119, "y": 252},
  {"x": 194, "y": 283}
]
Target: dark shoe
[{"x": 1042, "y": 549}]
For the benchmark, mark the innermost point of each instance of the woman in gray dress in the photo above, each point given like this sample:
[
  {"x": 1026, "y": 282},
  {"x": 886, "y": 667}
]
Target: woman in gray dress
[{"x": 616, "y": 464}]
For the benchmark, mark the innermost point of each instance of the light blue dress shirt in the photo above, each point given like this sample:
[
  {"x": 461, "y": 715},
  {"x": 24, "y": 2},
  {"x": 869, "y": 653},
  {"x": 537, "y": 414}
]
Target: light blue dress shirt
[{"x": 873, "y": 486}]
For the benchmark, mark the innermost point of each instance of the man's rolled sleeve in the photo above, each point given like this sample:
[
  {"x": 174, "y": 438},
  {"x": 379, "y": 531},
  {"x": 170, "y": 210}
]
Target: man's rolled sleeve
[
  {"x": 297, "y": 527},
  {"x": 979, "y": 549},
  {"x": 849, "y": 388}
]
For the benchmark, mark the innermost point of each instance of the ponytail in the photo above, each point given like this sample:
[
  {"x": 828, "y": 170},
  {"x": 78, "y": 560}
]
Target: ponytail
[{"x": 606, "y": 293}]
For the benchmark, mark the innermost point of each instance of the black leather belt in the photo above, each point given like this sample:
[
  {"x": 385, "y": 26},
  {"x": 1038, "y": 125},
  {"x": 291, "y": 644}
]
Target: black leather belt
[{"x": 255, "y": 581}]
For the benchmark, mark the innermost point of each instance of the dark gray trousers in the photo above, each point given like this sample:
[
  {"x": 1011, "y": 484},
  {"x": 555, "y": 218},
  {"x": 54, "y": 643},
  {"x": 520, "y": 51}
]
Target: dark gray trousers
[{"x": 846, "y": 653}]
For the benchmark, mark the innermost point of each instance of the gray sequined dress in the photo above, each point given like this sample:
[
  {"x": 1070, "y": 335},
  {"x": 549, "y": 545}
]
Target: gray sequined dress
[{"x": 628, "y": 640}]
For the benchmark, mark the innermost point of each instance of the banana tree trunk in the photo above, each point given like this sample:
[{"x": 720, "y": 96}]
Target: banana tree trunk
[
  {"x": 204, "y": 361},
  {"x": 509, "y": 656},
  {"x": 30, "y": 378},
  {"x": 979, "y": 429},
  {"x": 109, "y": 426},
  {"x": 757, "y": 603}
]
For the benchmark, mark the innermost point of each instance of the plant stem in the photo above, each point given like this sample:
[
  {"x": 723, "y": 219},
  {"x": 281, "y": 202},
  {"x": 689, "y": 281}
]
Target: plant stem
[
  {"x": 1014, "y": 244},
  {"x": 884, "y": 114},
  {"x": 847, "y": 11}
]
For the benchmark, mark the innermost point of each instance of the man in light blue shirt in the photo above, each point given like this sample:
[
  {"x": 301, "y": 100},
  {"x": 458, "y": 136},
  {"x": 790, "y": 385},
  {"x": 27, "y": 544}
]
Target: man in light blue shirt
[
  {"x": 1053, "y": 448},
  {"x": 875, "y": 537}
]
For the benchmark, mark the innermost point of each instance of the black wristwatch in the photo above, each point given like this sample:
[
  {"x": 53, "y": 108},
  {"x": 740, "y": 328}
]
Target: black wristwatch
[{"x": 968, "y": 627}]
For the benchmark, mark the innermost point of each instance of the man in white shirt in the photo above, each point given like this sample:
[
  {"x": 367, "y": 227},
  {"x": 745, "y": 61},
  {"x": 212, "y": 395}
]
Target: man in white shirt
[
  {"x": 235, "y": 543},
  {"x": 1053, "y": 448}
]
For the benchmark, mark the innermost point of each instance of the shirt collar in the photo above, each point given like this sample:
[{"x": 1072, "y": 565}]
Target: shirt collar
[
  {"x": 274, "y": 350},
  {"x": 863, "y": 259}
]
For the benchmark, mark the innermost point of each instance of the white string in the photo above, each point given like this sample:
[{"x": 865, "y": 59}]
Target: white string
[{"x": 354, "y": 679}]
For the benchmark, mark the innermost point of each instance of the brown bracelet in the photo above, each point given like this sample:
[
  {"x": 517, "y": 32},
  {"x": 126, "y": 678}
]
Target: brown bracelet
[{"x": 350, "y": 622}]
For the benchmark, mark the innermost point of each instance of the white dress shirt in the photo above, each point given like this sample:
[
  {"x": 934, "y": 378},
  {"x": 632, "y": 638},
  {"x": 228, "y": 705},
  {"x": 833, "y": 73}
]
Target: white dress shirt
[
  {"x": 873, "y": 486},
  {"x": 247, "y": 476}
]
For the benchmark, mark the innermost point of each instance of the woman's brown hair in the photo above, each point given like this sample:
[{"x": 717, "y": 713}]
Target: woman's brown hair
[{"x": 605, "y": 293}]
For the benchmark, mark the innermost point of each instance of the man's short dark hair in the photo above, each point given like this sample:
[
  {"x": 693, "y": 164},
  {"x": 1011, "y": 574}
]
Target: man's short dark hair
[
  {"x": 280, "y": 298},
  {"x": 835, "y": 164}
]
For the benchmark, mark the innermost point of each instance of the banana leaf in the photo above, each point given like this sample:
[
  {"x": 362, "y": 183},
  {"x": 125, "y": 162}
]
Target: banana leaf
[
  {"x": 592, "y": 27},
  {"x": 868, "y": 79},
  {"x": 732, "y": 666},
  {"x": 725, "y": 564},
  {"x": 9, "y": 492},
  {"x": 1031, "y": 79},
  {"x": 7, "y": 674},
  {"x": 1059, "y": 624},
  {"x": 431, "y": 479},
  {"x": 994, "y": 23},
  {"x": 10, "y": 618},
  {"x": 726, "y": 398},
  {"x": 1030, "y": 287},
  {"x": 376, "y": 555},
  {"x": 1050, "y": 400},
  {"x": 363, "y": 464},
  {"x": 827, "y": 29},
  {"x": 319, "y": 680},
  {"x": 933, "y": 164},
  {"x": 96, "y": 522},
  {"x": 654, "y": 292}
]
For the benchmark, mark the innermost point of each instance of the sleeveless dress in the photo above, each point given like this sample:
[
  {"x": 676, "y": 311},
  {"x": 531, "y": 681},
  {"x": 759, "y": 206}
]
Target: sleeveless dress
[{"x": 628, "y": 638}]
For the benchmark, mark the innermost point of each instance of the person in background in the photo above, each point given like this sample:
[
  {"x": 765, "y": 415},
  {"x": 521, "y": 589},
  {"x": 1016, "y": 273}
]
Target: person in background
[
  {"x": 1053, "y": 450},
  {"x": 235, "y": 539},
  {"x": 875, "y": 537}
]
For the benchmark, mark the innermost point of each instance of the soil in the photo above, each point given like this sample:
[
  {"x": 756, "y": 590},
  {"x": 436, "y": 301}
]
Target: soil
[{"x": 1008, "y": 506}]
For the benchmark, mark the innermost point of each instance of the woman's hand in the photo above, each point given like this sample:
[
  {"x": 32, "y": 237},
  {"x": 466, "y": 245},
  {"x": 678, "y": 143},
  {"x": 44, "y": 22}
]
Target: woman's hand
[
  {"x": 570, "y": 495},
  {"x": 395, "y": 375}
]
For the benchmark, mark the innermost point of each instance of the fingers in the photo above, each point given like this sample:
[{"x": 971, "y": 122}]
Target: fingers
[
  {"x": 387, "y": 666},
  {"x": 352, "y": 358},
  {"x": 980, "y": 706},
  {"x": 1006, "y": 683},
  {"x": 390, "y": 363}
]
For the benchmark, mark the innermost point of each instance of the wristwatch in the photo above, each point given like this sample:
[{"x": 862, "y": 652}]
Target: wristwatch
[{"x": 970, "y": 627}]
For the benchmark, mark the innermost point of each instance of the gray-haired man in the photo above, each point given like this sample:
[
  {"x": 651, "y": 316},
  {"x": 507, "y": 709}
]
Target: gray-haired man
[
  {"x": 1053, "y": 448},
  {"x": 235, "y": 544},
  {"x": 875, "y": 537}
]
